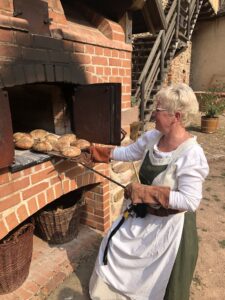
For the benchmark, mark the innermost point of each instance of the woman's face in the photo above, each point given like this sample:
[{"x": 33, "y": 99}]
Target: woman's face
[{"x": 163, "y": 119}]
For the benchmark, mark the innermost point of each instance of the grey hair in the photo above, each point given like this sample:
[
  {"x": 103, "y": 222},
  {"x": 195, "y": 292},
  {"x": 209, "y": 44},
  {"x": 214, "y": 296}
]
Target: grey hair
[{"x": 179, "y": 98}]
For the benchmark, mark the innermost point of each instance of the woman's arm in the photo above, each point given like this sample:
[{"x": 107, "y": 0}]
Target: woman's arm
[
  {"x": 191, "y": 172},
  {"x": 136, "y": 150}
]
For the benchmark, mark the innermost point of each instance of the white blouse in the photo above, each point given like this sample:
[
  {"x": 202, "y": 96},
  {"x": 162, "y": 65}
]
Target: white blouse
[{"x": 189, "y": 191}]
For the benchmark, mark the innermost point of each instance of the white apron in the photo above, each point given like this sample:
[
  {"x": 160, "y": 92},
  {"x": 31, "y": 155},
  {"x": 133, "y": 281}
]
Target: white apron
[{"x": 142, "y": 253}]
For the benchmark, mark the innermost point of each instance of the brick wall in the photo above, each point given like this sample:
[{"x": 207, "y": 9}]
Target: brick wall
[{"x": 70, "y": 53}]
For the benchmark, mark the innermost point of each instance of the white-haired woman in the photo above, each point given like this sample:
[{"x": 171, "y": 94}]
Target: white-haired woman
[{"x": 150, "y": 252}]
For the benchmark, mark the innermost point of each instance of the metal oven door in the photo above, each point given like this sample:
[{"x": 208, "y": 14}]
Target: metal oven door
[
  {"x": 97, "y": 113},
  {"x": 6, "y": 132}
]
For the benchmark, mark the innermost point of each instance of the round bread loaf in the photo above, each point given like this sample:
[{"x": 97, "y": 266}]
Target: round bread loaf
[
  {"x": 38, "y": 133},
  {"x": 18, "y": 135},
  {"x": 71, "y": 151},
  {"x": 51, "y": 138},
  {"x": 60, "y": 145},
  {"x": 42, "y": 146},
  {"x": 24, "y": 143},
  {"x": 68, "y": 137},
  {"x": 81, "y": 144}
]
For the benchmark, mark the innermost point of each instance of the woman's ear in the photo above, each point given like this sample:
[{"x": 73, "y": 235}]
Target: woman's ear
[{"x": 178, "y": 115}]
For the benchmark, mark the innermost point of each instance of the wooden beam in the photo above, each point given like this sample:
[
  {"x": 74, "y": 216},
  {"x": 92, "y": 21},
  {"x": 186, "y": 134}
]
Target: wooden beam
[{"x": 154, "y": 16}]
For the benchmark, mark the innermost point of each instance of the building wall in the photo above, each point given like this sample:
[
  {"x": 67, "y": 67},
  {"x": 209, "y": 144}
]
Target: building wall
[
  {"x": 180, "y": 67},
  {"x": 208, "y": 63}
]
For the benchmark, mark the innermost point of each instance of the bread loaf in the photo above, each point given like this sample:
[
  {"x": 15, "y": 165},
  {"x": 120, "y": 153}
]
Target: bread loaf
[
  {"x": 81, "y": 144},
  {"x": 24, "y": 143},
  {"x": 18, "y": 135},
  {"x": 71, "y": 151},
  {"x": 42, "y": 146},
  {"x": 68, "y": 137},
  {"x": 38, "y": 133},
  {"x": 60, "y": 145},
  {"x": 51, "y": 138}
]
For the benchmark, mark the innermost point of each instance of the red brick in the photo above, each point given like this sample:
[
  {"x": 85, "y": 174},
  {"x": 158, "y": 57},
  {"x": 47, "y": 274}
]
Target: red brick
[
  {"x": 103, "y": 227},
  {"x": 23, "y": 294},
  {"x": 118, "y": 37},
  {"x": 23, "y": 39},
  {"x": 50, "y": 194},
  {"x": 78, "y": 47},
  {"x": 115, "y": 53},
  {"x": 32, "y": 206},
  {"x": 126, "y": 63},
  {"x": 121, "y": 72},
  {"x": 3, "y": 231},
  {"x": 11, "y": 221},
  {"x": 107, "y": 52},
  {"x": 81, "y": 58},
  {"x": 99, "y": 60},
  {"x": 10, "y": 51},
  {"x": 66, "y": 186},
  {"x": 102, "y": 213},
  {"x": 52, "y": 284},
  {"x": 31, "y": 286},
  {"x": 35, "y": 190},
  {"x": 58, "y": 190},
  {"x": 22, "y": 213},
  {"x": 9, "y": 202},
  {"x": 89, "y": 49},
  {"x": 16, "y": 175},
  {"x": 88, "y": 222},
  {"x": 55, "y": 180},
  {"x": 4, "y": 176},
  {"x": 107, "y": 71},
  {"x": 99, "y": 70},
  {"x": 39, "y": 167},
  {"x": 6, "y": 35},
  {"x": 74, "y": 172},
  {"x": 99, "y": 50},
  {"x": 115, "y": 62},
  {"x": 12, "y": 187},
  {"x": 41, "y": 200},
  {"x": 115, "y": 71},
  {"x": 102, "y": 219},
  {"x": 73, "y": 185},
  {"x": 43, "y": 175},
  {"x": 122, "y": 54},
  {"x": 27, "y": 171}
]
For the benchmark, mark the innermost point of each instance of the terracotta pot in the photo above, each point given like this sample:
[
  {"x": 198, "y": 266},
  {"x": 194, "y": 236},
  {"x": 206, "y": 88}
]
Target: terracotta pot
[{"x": 209, "y": 125}]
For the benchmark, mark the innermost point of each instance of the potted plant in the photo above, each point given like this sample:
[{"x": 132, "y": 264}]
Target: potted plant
[{"x": 213, "y": 104}]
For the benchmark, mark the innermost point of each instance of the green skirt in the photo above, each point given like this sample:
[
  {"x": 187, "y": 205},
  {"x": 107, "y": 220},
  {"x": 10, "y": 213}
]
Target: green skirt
[{"x": 179, "y": 284}]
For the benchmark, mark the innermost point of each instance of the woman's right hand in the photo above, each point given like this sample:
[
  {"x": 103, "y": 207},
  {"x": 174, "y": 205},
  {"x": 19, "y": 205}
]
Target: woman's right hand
[{"x": 100, "y": 153}]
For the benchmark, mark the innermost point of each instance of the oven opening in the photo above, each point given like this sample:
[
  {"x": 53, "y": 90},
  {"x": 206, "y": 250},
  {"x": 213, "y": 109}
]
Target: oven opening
[{"x": 39, "y": 106}]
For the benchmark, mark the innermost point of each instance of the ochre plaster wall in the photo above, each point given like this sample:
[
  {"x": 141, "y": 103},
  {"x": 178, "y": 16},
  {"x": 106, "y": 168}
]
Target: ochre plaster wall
[{"x": 208, "y": 54}]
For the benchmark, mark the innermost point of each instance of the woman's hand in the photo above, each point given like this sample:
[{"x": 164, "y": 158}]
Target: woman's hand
[
  {"x": 148, "y": 194},
  {"x": 100, "y": 154}
]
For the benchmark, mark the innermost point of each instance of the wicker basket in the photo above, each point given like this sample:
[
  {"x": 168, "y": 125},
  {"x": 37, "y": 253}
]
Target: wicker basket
[
  {"x": 58, "y": 226},
  {"x": 15, "y": 258}
]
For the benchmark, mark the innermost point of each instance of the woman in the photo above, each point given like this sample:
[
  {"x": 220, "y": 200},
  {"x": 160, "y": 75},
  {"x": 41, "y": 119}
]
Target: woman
[{"x": 151, "y": 255}]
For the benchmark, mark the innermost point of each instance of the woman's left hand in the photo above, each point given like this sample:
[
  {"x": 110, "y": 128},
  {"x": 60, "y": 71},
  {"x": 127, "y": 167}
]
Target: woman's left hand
[{"x": 148, "y": 194}]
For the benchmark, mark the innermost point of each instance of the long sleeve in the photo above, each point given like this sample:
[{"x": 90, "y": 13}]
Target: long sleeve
[
  {"x": 136, "y": 150},
  {"x": 191, "y": 171}
]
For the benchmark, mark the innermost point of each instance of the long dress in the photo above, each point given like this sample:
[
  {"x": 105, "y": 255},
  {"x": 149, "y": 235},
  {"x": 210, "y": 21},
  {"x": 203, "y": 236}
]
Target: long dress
[{"x": 146, "y": 255}]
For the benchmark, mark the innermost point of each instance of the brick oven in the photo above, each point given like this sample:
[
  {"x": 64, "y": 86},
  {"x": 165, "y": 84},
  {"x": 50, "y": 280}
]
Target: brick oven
[{"x": 52, "y": 54}]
